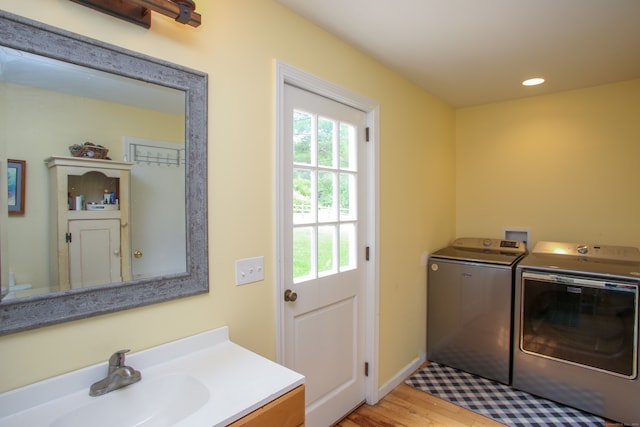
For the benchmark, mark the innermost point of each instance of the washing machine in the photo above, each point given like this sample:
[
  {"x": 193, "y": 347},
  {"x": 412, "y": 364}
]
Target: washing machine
[{"x": 470, "y": 305}]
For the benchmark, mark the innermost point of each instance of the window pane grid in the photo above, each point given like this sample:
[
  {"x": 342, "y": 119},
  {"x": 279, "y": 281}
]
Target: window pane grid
[
  {"x": 348, "y": 197},
  {"x": 304, "y": 199},
  {"x": 326, "y": 142},
  {"x": 348, "y": 147},
  {"x": 303, "y": 138},
  {"x": 348, "y": 248},
  {"x": 327, "y": 250},
  {"x": 304, "y": 247},
  {"x": 324, "y": 196}
]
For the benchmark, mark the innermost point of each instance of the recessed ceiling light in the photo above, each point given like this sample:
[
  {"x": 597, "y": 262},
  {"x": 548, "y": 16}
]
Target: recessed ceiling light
[{"x": 533, "y": 82}]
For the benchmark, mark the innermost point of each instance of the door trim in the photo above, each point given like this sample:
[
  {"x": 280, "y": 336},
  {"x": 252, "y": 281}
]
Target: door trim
[{"x": 287, "y": 74}]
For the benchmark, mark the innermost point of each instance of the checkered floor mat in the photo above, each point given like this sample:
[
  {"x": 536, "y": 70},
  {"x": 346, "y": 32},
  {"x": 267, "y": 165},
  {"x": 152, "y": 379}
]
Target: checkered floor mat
[{"x": 497, "y": 401}]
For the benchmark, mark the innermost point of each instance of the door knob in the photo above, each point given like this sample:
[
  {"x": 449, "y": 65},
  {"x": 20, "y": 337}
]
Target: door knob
[
  {"x": 290, "y": 296},
  {"x": 137, "y": 254}
]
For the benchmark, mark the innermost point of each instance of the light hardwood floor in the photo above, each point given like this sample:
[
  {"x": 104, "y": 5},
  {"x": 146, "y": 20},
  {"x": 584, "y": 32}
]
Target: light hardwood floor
[{"x": 406, "y": 406}]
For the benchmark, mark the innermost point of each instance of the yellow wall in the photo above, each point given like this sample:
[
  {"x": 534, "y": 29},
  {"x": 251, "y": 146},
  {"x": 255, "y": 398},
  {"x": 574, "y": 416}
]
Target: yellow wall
[
  {"x": 236, "y": 46},
  {"x": 563, "y": 165}
]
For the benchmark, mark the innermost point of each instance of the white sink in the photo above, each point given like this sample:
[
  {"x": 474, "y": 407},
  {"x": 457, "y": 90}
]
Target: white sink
[
  {"x": 157, "y": 402},
  {"x": 199, "y": 381}
]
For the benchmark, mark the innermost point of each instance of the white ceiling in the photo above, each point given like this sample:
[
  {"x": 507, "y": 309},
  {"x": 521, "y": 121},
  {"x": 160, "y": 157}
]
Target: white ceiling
[
  {"x": 27, "y": 69},
  {"x": 470, "y": 52}
]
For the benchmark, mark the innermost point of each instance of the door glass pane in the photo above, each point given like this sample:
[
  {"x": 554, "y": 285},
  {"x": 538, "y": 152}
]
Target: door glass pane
[
  {"x": 347, "y": 146},
  {"x": 302, "y": 141},
  {"x": 326, "y": 197},
  {"x": 326, "y": 132},
  {"x": 347, "y": 247},
  {"x": 303, "y": 254},
  {"x": 326, "y": 250},
  {"x": 347, "y": 196},
  {"x": 303, "y": 197}
]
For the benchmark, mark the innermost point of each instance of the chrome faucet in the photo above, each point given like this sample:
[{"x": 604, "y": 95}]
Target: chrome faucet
[{"x": 118, "y": 376}]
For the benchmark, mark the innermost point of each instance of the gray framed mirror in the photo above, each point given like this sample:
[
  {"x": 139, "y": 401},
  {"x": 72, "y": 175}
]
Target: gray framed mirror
[{"x": 168, "y": 81}]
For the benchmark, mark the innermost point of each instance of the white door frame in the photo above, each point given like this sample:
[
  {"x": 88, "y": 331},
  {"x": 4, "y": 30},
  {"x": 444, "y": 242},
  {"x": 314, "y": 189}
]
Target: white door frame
[{"x": 286, "y": 74}]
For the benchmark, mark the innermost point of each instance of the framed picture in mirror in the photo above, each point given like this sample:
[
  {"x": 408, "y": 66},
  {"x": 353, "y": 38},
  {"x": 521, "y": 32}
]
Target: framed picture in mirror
[{"x": 16, "y": 173}]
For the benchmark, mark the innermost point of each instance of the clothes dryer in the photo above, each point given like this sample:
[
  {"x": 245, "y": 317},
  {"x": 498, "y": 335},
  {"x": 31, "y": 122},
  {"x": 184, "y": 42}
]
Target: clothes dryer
[{"x": 576, "y": 327}]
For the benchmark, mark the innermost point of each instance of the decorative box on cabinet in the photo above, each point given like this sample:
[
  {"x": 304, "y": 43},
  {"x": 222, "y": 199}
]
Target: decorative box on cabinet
[
  {"x": 88, "y": 247},
  {"x": 285, "y": 411}
]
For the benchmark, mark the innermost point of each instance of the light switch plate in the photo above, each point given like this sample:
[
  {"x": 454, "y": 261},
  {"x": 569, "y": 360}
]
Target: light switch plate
[{"x": 249, "y": 270}]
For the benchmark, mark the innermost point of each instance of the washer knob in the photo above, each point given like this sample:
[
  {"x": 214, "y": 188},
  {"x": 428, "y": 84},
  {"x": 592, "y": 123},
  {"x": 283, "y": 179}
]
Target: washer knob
[
  {"x": 583, "y": 249},
  {"x": 486, "y": 243}
]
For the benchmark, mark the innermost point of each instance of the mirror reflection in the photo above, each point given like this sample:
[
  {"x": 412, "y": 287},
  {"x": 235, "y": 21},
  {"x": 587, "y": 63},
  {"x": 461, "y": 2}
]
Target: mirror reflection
[
  {"x": 116, "y": 125},
  {"x": 104, "y": 186}
]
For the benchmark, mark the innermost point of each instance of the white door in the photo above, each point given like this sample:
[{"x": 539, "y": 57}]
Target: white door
[
  {"x": 94, "y": 252},
  {"x": 158, "y": 234},
  {"x": 324, "y": 231}
]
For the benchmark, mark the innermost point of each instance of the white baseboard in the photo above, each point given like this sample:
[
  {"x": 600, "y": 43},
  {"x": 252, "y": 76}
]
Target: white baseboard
[{"x": 401, "y": 376}]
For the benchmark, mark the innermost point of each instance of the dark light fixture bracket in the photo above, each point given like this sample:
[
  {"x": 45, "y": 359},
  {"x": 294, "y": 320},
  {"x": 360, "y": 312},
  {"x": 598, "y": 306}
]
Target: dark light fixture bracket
[
  {"x": 122, "y": 9},
  {"x": 139, "y": 11},
  {"x": 186, "y": 7}
]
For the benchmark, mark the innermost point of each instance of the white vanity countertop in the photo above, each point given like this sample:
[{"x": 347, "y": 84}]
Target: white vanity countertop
[{"x": 238, "y": 380}]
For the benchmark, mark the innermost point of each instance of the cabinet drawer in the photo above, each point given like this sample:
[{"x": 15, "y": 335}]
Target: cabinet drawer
[{"x": 286, "y": 411}]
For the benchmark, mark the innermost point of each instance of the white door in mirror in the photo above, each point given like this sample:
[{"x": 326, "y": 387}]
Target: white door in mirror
[{"x": 249, "y": 270}]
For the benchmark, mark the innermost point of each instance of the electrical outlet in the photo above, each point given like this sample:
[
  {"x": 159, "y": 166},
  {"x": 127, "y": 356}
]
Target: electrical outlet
[{"x": 249, "y": 270}]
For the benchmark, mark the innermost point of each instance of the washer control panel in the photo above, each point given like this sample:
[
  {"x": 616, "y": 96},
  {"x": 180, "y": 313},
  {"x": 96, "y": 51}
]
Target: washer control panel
[{"x": 500, "y": 245}]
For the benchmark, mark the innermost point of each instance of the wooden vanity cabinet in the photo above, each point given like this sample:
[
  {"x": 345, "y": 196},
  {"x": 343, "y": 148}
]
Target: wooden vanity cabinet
[
  {"x": 286, "y": 411},
  {"x": 88, "y": 247}
]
